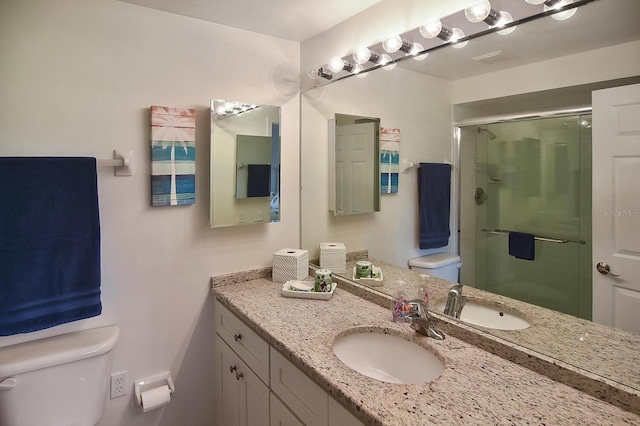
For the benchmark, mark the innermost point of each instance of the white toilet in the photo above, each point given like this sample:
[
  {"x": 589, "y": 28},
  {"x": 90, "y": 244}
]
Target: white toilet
[
  {"x": 440, "y": 265},
  {"x": 60, "y": 380}
]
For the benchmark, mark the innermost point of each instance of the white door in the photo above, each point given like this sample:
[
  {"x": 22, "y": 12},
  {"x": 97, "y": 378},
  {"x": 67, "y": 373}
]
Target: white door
[
  {"x": 354, "y": 168},
  {"x": 616, "y": 206}
]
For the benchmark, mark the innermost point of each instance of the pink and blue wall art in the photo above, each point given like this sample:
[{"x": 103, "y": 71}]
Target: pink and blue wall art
[{"x": 173, "y": 156}]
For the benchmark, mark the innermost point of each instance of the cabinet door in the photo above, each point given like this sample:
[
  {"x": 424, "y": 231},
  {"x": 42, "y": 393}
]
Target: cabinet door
[
  {"x": 227, "y": 387},
  {"x": 253, "y": 398},
  {"x": 241, "y": 397},
  {"x": 340, "y": 416},
  {"x": 280, "y": 414}
]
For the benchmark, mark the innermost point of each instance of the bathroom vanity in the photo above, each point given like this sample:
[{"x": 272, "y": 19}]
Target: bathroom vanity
[{"x": 476, "y": 387}]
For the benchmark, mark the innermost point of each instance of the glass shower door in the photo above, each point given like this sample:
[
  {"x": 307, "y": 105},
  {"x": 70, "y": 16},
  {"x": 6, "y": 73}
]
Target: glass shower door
[{"x": 533, "y": 177}]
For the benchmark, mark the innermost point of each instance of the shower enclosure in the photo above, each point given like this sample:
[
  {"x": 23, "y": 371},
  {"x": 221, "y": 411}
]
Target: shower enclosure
[{"x": 531, "y": 176}]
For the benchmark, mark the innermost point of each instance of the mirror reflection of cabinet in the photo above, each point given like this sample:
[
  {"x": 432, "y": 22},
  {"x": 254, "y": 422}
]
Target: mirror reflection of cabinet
[
  {"x": 245, "y": 163},
  {"x": 354, "y": 175}
]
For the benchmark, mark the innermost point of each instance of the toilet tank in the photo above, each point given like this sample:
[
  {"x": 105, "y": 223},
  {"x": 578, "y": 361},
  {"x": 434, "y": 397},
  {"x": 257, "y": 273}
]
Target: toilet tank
[
  {"x": 440, "y": 265},
  {"x": 60, "y": 380}
]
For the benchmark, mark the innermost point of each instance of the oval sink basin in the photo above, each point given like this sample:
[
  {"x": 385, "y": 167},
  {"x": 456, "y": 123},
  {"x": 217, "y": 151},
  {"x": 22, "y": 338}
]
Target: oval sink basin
[
  {"x": 487, "y": 315},
  {"x": 388, "y": 358}
]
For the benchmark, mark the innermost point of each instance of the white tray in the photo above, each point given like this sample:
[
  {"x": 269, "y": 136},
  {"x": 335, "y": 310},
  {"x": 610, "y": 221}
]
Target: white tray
[
  {"x": 287, "y": 292},
  {"x": 371, "y": 280}
]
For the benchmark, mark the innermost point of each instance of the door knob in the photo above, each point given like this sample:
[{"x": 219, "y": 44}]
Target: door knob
[{"x": 604, "y": 269}]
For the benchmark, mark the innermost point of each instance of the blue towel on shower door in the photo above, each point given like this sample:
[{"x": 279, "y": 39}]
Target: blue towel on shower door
[
  {"x": 434, "y": 204},
  {"x": 522, "y": 245},
  {"x": 49, "y": 242}
]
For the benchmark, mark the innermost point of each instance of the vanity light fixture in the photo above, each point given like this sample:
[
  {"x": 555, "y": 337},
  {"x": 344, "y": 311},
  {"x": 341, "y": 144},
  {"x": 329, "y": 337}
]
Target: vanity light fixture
[
  {"x": 337, "y": 64},
  {"x": 556, "y": 4},
  {"x": 505, "y": 19},
  {"x": 325, "y": 73},
  {"x": 387, "y": 63},
  {"x": 482, "y": 12},
  {"x": 416, "y": 52},
  {"x": 364, "y": 54},
  {"x": 223, "y": 109},
  {"x": 458, "y": 34},
  {"x": 434, "y": 28},
  {"x": 394, "y": 43}
]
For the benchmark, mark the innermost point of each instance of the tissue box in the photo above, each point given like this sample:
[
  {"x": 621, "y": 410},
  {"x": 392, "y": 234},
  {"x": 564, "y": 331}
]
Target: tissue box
[
  {"x": 290, "y": 264},
  {"x": 333, "y": 256}
]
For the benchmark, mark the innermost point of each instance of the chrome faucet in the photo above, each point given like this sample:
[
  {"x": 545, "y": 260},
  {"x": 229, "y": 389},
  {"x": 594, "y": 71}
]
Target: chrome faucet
[
  {"x": 420, "y": 320},
  {"x": 455, "y": 301}
]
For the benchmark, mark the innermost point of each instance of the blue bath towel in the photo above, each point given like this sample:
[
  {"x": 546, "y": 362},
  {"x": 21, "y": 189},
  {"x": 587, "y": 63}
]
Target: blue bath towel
[
  {"x": 49, "y": 242},
  {"x": 434, "y": 205},
  {"x": 522, "y": 245}
]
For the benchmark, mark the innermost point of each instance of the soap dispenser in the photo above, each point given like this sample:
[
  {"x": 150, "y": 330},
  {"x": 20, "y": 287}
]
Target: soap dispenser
[{"x": 399, "y": 306}]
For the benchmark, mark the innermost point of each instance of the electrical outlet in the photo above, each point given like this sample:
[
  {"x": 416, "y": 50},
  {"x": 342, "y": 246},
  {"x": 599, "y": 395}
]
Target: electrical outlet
[
  {"x": 119, "y": 384},
  {"x": 258, "y": 216}
]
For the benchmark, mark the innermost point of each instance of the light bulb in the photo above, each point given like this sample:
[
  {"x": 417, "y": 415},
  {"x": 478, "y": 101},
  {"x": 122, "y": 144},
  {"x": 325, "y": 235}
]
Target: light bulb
[
  {"x": 478, "y": 12},
  {"x": 336, "y": 64},
  {"x": 392, "y": 44},
  {"x": 457, "y": 34},
  {"x": 362, "y": 55},
  {"x": 535, "y": 1},
  {"x": 415, "y": 52},
  {"x": 431, "y": 29},
  {"x": 357, "y": 69},
  {"x": 312, "y": 71},
  {"x": 385, "y": 61},
  {"x": 564, "y": 15},
  {"x": 505, "y": 18}
]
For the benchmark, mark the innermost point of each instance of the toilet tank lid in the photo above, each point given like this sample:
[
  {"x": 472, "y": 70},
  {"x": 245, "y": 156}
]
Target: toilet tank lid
[
  {"x": 435, "y": 260},
  {"x": 56, "y": 350}
]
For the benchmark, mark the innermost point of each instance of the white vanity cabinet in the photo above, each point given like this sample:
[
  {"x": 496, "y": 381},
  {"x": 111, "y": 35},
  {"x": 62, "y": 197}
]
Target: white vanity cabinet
[{"x": 256, "y": 385}]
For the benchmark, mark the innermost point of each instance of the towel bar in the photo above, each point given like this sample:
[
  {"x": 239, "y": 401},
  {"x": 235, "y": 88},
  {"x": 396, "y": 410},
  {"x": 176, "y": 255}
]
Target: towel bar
[
  {"x": 121, "y": 162},
  {"x": 536, "y": 237}
]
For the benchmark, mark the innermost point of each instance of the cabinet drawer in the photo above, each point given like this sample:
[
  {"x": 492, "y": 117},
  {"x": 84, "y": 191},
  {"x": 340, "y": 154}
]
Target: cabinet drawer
[
  {"x": 303, "y": 397},
  {"x": 280, "y": 414},
  {"x": 253, "y": 350}
]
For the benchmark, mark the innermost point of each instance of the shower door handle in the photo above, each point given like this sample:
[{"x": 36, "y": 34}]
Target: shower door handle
[{"x": 604, "y": 269}]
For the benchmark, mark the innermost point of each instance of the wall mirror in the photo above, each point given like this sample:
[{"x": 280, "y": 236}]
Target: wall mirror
[
  {"x": 354, "y": 164},
  {"x": 399, "y": 96},
  {"x": 245, "y": 163}
]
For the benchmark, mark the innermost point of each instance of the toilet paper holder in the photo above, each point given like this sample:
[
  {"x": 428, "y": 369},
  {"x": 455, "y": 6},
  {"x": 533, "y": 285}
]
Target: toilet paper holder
[{"x": 153, "y": 382}]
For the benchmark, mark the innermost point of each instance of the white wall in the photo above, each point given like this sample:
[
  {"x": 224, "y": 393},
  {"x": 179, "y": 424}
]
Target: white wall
[
  {"x": 77, "y": 77},
  {"x": 416, "y": 104}
]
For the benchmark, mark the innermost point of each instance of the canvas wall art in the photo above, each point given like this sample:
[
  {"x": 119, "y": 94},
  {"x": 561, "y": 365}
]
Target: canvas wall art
[
  {"x": 389, "y": 160},
  {"x": 173, "y": 156}
]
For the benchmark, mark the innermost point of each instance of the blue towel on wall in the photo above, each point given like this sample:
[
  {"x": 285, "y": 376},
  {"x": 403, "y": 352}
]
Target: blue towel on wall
[
  {"x": 434, "y": 204},
  {"x": 49, "y": 242},
  {"x": 522, "y": 245}
]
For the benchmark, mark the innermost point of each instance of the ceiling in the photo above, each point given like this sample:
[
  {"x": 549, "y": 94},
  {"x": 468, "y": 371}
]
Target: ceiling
[
  {"x": 595, "y": 25},
  {"x": 295, "y": 20}
]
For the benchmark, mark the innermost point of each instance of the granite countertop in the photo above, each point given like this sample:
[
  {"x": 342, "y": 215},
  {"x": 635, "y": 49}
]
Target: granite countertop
[
  {"x": 597, "y": 359},
  {"x": 475, "y": 388}
]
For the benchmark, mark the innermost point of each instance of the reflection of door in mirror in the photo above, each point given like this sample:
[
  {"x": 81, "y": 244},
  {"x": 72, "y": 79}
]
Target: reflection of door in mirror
[
  {"x": 356, "y": 164},
  {"x": 245, "y": 163}
]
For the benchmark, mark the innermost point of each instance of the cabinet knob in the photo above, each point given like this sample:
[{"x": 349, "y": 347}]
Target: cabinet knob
[
  {"x": 232, "y": 368},
  {"x": 238, "y": 375},
  {"x": 237, "y": 337}
]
